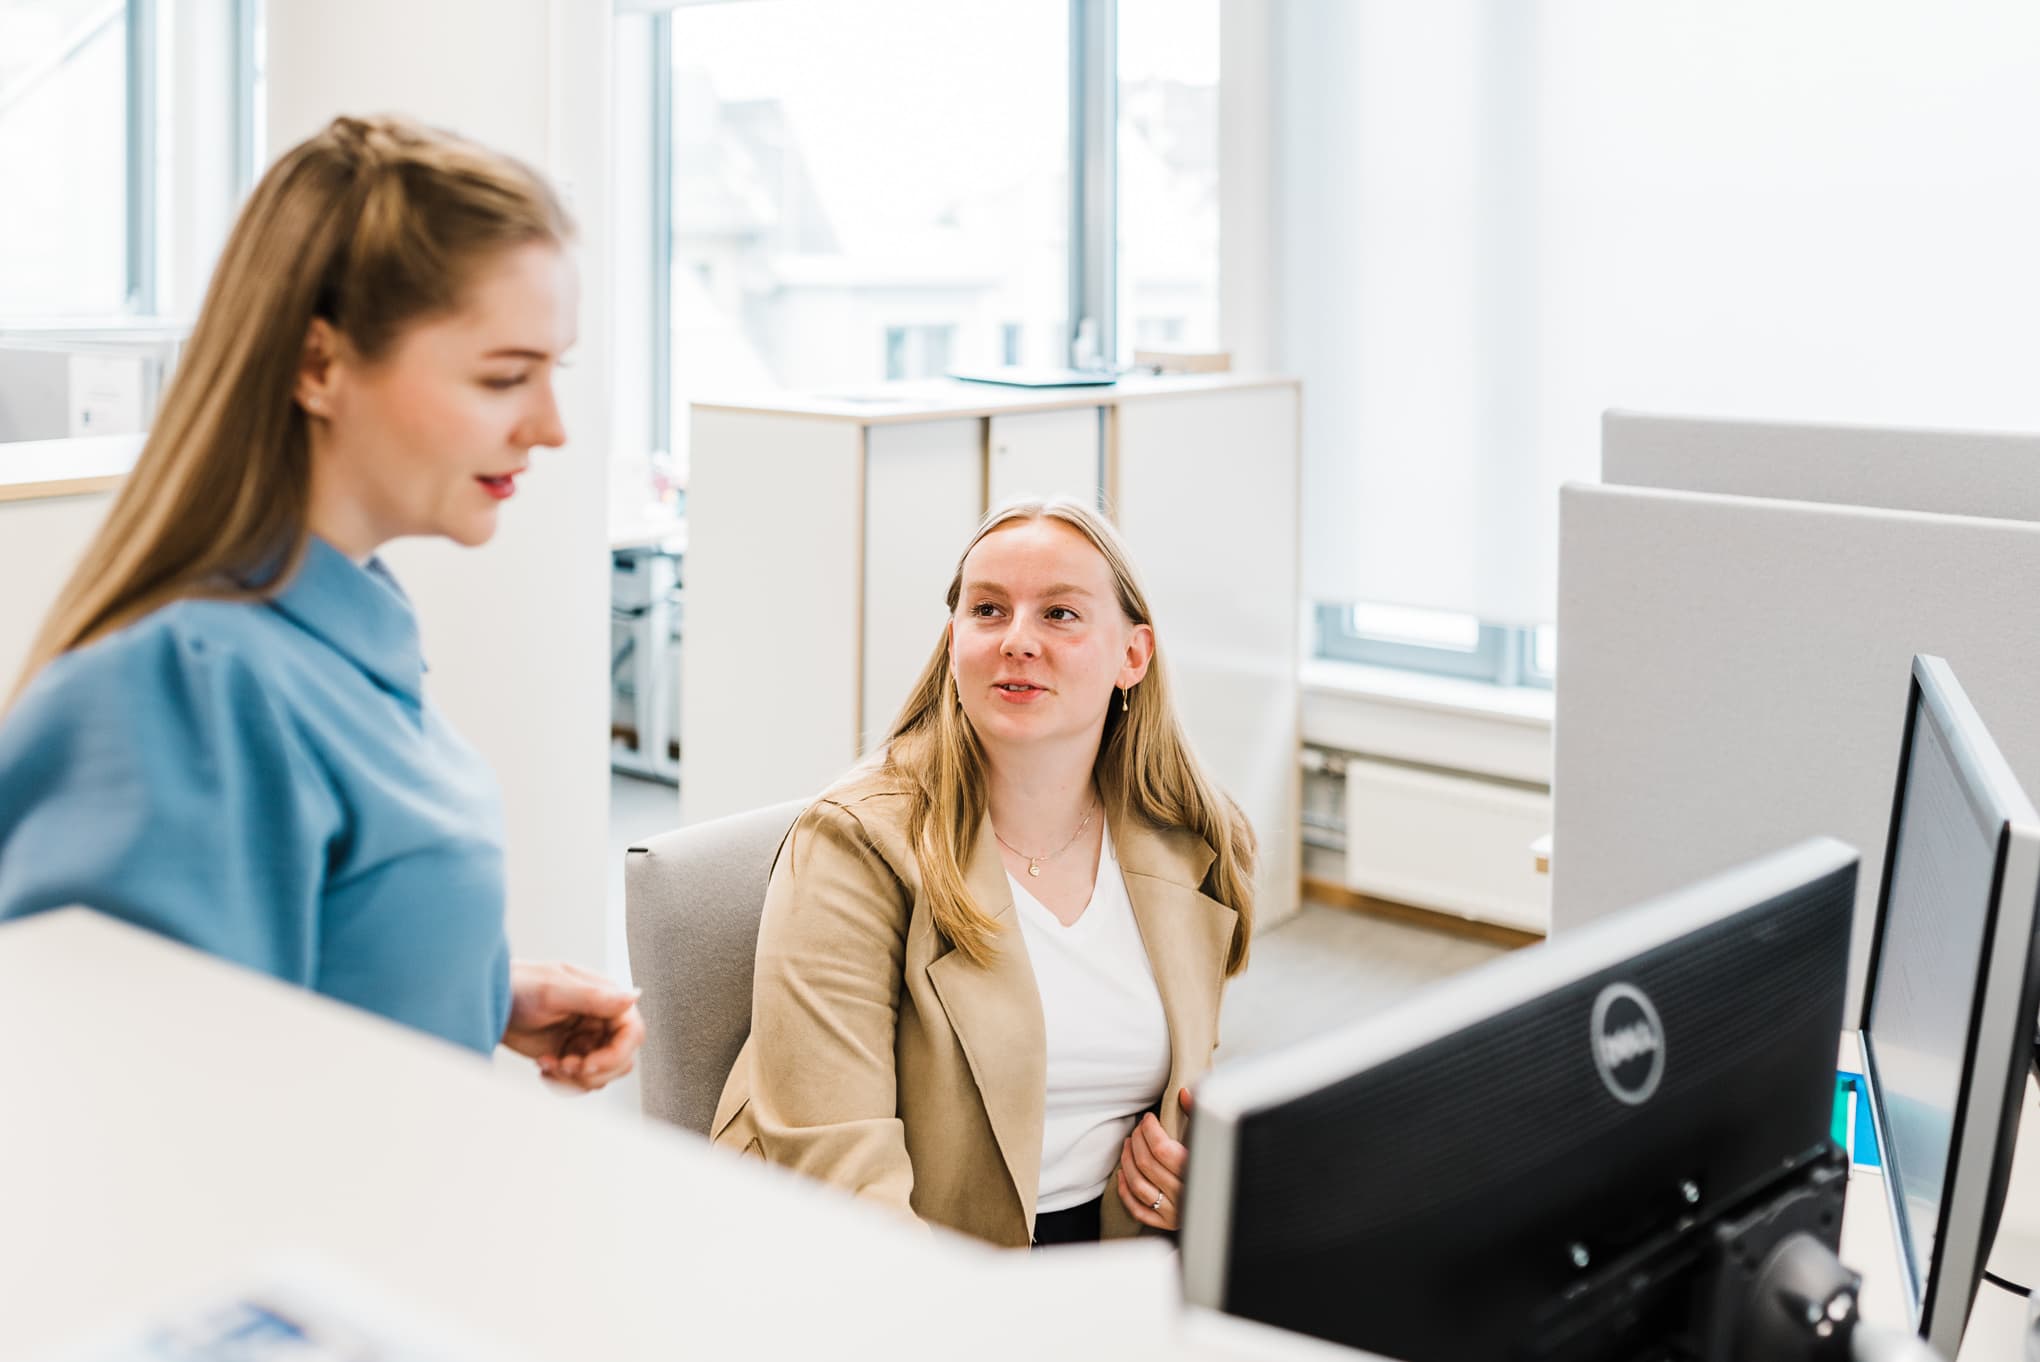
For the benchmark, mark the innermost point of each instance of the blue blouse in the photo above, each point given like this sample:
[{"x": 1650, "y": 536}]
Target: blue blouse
[{"x": 267, "y": 782}]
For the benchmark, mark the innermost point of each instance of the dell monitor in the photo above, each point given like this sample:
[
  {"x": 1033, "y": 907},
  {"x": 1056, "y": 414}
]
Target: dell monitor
[
  {"x": 1588, "y": 1150},
  {"x": 1948, "y": 1011}
]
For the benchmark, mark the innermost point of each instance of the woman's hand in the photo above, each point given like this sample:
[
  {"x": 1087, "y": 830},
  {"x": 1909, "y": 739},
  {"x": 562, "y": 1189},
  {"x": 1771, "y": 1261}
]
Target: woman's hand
[
  {"x": 581, "y": 1028},
  {"x": 1151, "y": 1171}
]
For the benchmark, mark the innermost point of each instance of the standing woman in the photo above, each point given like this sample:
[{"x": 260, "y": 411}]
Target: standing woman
[
  {"x": 222, "y": 733},
  {"x": 991, "y": 963}
]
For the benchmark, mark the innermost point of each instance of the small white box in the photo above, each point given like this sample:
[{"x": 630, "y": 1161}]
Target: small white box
[{"x": 107, "y": 394}]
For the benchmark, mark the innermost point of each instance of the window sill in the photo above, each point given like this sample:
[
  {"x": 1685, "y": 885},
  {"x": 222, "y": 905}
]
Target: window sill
[{"x": 1437, "y": 721}]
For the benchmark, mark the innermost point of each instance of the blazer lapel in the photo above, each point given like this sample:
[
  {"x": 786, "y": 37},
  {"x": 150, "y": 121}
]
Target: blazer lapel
[
  {"x": 996, "y": 1015},
  {"x": 1187, "y": 936}
]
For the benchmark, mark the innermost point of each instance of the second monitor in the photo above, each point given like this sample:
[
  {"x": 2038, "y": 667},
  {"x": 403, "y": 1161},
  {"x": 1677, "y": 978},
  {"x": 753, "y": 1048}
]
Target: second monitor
[{"x": 1954, "y": 984}]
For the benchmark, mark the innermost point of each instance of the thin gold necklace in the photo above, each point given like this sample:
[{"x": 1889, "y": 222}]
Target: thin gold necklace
[{"x": 1034, "y": 862}]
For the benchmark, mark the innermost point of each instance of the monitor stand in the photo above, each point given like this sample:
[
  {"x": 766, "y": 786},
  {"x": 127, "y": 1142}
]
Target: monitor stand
[
  {"x": 1802, "y": 1307},
  {"x": 1756, "y": 1282}
]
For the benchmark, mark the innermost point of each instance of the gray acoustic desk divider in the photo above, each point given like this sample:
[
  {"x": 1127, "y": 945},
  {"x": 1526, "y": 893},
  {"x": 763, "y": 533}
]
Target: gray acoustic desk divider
[
  {"x": 1974, "y": 473},
  {"x": 1736, "y": 674}
]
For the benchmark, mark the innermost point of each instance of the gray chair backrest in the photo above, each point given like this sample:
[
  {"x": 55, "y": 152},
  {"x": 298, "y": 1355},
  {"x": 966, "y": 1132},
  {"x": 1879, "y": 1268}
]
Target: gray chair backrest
[{"x": 691, "y": 901}]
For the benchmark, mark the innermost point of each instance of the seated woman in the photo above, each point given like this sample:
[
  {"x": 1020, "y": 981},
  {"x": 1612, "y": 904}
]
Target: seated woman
[{"x": 991, "y": 959}]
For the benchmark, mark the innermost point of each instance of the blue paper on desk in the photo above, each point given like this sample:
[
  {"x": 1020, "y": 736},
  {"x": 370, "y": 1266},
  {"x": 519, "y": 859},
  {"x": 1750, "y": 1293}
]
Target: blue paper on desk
[
  {"x": 1862, "y": 1143},
  {"x": 1016, "y": 376},
  {"x": 304, "y": 1312}
]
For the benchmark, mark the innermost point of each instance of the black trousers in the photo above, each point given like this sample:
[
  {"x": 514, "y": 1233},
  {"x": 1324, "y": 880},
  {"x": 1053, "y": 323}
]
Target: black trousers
[{"x": 1076, "y": 1225}]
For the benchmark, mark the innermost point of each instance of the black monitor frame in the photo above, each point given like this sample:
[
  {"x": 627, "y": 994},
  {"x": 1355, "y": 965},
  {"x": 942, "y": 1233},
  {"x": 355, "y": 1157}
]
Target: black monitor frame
[{"x": 1780, "y": 925}]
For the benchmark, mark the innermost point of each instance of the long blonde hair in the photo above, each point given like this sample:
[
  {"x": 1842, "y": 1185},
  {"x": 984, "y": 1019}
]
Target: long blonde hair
[
  {"x": 1145, "y": 767},
  {"x": 371, "y": 224}
]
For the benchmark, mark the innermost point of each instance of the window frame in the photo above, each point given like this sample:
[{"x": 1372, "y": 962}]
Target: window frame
[
  {"x": 661, "y": 385},
  {"x": 246, "y": 27},
  {"x": 142, "y": 214},
  {"x": 1503, "y": 655}
]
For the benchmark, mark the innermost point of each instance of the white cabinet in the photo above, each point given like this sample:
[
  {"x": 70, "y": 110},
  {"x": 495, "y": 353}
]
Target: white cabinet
[
  {"x": 823, "y": 534},
  {"x": 1046, "y": 454},
  {"x": 924, "y": 473}
]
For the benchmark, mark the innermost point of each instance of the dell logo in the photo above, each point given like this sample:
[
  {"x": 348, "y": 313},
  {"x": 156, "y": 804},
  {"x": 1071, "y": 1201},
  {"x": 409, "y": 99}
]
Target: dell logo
[{"x": 1628, "y": 1043}]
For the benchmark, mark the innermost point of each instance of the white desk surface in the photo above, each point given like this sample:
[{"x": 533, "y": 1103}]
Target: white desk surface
[
  {"x": 666, "y": 532},
  {"x": 32, "y": 469},
  {"x": 948, "y": 399},
  {"x": 172, "y": 1125}
]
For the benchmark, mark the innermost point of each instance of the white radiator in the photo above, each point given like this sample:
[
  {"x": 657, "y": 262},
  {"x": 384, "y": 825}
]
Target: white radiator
[{"x": 1450, "y": 842}]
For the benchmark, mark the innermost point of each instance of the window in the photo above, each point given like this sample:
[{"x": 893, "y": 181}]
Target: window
[
  {"x": 917, "y": 351},
  {"x": 64, "y": 249},
  {"x": 1159, "y": 330},
  {"x": 121, "y": 215},
  {"x": 820, "y": 174},
  {"x": 857, "y": 192},
  {"x": 1440, "y": 642}
]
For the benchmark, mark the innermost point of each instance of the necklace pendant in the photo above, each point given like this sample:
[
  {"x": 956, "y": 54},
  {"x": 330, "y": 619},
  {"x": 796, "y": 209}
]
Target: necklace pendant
[{"x": 1033, "y": 869}]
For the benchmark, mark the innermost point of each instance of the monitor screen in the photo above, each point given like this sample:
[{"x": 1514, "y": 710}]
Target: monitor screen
[
  {"x": 1942, "y": 861},
  {"x": 1948, "y": 1008}
]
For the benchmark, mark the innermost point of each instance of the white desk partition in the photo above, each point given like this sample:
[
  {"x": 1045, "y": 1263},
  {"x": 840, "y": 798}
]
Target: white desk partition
[
  {"x": 1736, "y": 676},
  {"x": 173, "y": 1127},
  {"x": 1975, "y": 473}
]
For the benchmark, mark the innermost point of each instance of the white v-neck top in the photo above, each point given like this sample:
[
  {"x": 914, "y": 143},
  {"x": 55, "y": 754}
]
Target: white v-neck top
[{"x": 1108, "y": 1041}]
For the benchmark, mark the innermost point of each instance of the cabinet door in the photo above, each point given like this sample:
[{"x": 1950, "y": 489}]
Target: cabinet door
[
  {"x": 1207, "y": 491},
  {"x": 773, "y": 610},
  {"x": 1047, "y": 454},
  {"x": 923, "y": 495}
]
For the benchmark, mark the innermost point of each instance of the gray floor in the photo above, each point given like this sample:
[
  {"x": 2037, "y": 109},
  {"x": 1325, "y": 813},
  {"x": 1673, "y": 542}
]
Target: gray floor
[
  {"x": 1328, "y": 966},
  {"x": 1323, "y": 967}
]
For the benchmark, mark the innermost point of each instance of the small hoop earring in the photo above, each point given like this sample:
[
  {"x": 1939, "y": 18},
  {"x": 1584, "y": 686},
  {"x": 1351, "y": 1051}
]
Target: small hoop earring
[{"x": 1124, "y": 705}]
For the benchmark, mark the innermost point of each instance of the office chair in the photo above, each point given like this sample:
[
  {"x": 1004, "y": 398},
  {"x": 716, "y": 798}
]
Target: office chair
[{"x": 691, "y": 902}]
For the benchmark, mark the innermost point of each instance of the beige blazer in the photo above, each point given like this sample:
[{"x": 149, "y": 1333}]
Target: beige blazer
[{"x": 883, "y": 1061}]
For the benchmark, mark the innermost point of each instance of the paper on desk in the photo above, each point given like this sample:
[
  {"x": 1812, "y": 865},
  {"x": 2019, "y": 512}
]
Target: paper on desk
[{"x": 307, "y": 1312}]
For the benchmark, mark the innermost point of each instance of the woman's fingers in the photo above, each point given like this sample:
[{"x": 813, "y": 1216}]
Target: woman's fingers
[
  {"x": 1135, "y": 1207},
  {"x": 593, "y": 1050},
  {"x": 1170, "y": 1156},
  {"x": 617, "y": 1049},
  {"x": 1152, "y": 1173},
  {"x": 1147, "y": 1190}
]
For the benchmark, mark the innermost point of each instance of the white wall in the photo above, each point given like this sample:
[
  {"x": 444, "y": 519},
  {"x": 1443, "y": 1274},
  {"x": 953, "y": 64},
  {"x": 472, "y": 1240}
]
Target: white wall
[
  {"x": 1246, "y": 179},
  {"x": 516, "y": 634},
  {"x": 40, "y": 541},
  {"x": 195, "y": 127}
]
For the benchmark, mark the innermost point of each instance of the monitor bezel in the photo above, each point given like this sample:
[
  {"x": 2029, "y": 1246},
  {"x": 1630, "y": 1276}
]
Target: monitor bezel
[
  {"x": 1234, "y": 1092},
  {"x": 1994, "y": 1062}
]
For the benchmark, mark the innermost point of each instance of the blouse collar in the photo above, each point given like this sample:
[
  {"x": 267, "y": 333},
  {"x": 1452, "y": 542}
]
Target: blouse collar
[{"x": 359, "y": 610}]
